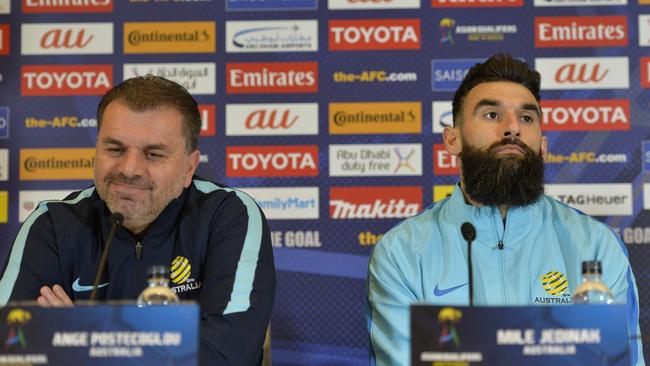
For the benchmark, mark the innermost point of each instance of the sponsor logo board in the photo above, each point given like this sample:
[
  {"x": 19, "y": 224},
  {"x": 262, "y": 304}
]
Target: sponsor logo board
[
  {"x": 581, "y": 31},
  {"x": 4, "y": 123},
  {"x": 65, "y": 80},
  {"x": 476, "y": 3},
  {"x": 583, "y": 72},
  {"x": 63, "y": 164},
  {"x": 646, "y": 196},
  {"x": 443, "y": 162},
  {"x": 169, "y": 37},
  {"x": 5, "y": 6},
  {"x": 272, "y": 161},
  {"x": 446, "y": 75},
  {"x": 442, "y": 192},
  {"x": 374, "y": 34},
  {"x": 473, "y": 32},
  {"x": 374, "y": 76},
  {"x": 375, "y": 118},
  {"x": 286, "y": 203},
  {"x": 572, "y": 3},
  {"x": 4, "y": 207},
  {"x": 374, "y": 4},
  {"x": 272, "y": 77},
  {"x": 208, "y": 119},
  {"x": 4, "y": 40},
  {"x": 272, "y": 119},
  {"x": 645, "y": 145},
  {"x": 66, "y": 39},
  {"x": 196, "y": 77},
  {"x": 374, "y": 160},
  {"x": 644, "y": 71},
  {"x": 272, "y": 36},
  {"x": 4, "y": 164},
  {"x": 608, "y": 199},
  {"x": 60, "y": 122},
  {"x": 28, "y": 200},
  {"x": 52, "y": 6},
  {"x": 247, "y": 5},
  {"x": 394, "y": 202},
  {"x": 644, "y": 30},
  {"x": 296, "y": 239},
  {"x": 586, "y": 115},
  {"x": 442, "y": 115}
]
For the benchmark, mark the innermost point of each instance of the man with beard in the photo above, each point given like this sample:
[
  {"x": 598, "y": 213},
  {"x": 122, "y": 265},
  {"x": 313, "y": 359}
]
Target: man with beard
[
  {"x": 214, "y": 238},
  {"x": 521, "y": 234}
]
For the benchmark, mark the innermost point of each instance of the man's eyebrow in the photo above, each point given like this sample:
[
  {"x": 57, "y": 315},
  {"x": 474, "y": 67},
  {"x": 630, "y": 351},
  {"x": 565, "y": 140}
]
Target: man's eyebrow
[
  {"x": 112, "y": 141},
  {"x": 486, "y": 102},
  {"x": 532, "y": 107}
]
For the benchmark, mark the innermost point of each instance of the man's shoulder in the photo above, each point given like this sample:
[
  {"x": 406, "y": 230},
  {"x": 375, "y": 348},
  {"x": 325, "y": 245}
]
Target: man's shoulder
[
  {"x": 572, "y": 217},
  {"x": 209, "y": 194}
]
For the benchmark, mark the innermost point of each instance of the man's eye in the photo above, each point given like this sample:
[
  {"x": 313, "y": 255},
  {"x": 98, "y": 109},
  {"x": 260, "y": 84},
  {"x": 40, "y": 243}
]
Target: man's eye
[
  {"x": 114, "y": 150},
  {"x": 527, "y": 119},
  {"x": 491, "y": 115},
  {"x": 154, "y": 156}
]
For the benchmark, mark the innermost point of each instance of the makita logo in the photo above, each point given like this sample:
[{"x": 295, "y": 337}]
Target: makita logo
[
  {"x": 585, "y": 31},
  {"x": 586, "y": 115},
  {"x": 51, "y": 80},
  {"x": 272, "y": 119},
  {"x": 67, "y": 38},
  {"x": 208, "y": 126},
  {"x": 4, "y": 39},
  {"x": 271, "y": 161},
  {"x": 583, "y": 73},
  {"x": 443, "y": 162},
  {"x": 374, "y": 202},
  {"x": 374, "y": 34},
  {"x": 67, "y": 6},
  {"x": 272, "y": 77},
  {"x": 475, "y": 3}
]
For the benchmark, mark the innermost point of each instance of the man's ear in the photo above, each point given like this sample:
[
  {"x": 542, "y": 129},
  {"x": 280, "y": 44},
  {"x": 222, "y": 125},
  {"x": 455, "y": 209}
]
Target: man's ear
[
  {"x": 543, "y": 149},
  {"x": 453, "y": 142},
  {"x": 192, "y": 164}
]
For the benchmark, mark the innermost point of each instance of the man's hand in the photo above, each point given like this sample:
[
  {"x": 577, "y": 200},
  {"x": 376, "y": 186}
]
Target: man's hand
[{"x": 54, "y": 296}]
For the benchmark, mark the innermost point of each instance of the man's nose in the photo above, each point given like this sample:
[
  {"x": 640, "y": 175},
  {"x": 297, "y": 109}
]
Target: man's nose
[
  {"x": 512, "y": 126},
  {"x": 132, "y": 164}
]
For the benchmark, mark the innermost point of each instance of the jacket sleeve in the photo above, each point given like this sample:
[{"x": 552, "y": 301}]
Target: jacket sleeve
[
  {"x": 389, "y": 298},
  {"x": 238, "y": 285},
  {"x": 33, "y": 260},
  {"x": 618, "y": 276}
]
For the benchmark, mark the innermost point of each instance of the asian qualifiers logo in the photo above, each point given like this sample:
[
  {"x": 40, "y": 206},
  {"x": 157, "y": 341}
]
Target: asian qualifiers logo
[
  {"x": 16, "y": 319},
  {"x": 447, "y": 30},
  {"x": 449, "y": 339}
]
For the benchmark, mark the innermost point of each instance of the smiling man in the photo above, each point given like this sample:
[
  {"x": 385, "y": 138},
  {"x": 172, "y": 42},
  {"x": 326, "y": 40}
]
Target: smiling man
[
  {"x": 521, "y": 234},
  {"x": 146, "y": 156}
]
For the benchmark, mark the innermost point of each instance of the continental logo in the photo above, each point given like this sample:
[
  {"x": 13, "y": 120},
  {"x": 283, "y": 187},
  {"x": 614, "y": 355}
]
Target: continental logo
[
  {"x": 4, "y": 39},
  {"x": 586, "y": 115},
  {"x": 374, "y": 76},
  {"x": 374, "y": 34},
  {"x": 60, "y": 122},
  {"x": 476, "y": 3},
  {"x": 64, "y": 164},
  {"x": 581, "y": 31},
  {"x": 67, "y": 6},
  {"x": 65, "y": 80},
  {"x": 442, "y": 192},
  {"x": 375, "y": 118},
  {"x": 555, "y": 284},
  {"x": 180, "y": 270},
  {"x": 589, "y": 157},
  {"x": 4, "y": 207},
  {"x": 169, "y": 37}
]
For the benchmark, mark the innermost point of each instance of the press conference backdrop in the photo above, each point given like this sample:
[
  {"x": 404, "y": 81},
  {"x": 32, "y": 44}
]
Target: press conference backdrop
[{"x": 329, "y": 113}]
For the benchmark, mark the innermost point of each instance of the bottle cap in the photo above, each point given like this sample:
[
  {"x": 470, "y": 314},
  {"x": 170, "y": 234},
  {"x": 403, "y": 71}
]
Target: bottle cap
[
  {"x": 592, "y": 267},
  {"x": 158, "y": 271}
]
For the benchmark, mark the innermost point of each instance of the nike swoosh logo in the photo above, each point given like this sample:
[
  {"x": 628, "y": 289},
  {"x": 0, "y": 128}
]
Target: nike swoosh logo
[
  {"x": 76, "y": 287},
  {"x": 443, "y": 292}
]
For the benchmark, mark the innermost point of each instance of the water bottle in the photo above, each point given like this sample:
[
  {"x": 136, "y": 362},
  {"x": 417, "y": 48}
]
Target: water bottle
[
  {"x": 592, "y": 290},
  {"x": 158, "y": 291}
]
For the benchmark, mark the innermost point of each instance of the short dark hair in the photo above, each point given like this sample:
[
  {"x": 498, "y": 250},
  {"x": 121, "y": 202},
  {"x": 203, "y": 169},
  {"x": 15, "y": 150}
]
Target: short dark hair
[
  {"x": 148, "y": 92},
  {"x": 499, "y": 67}
]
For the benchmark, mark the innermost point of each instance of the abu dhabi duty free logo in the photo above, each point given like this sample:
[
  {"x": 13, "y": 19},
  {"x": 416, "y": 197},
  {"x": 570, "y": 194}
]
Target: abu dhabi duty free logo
[{"x": 4, "y": 123}]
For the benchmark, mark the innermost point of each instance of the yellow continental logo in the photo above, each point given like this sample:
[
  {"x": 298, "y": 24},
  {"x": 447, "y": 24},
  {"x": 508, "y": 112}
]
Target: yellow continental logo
[
  {"x": 646, "y": 2},
  {"x": 442, "y": 192},
  {"x": 67, "y": 164},
  {"x": 169, "y": 37},
  {"x": 4, "y": 207},
  {"x": 554, "y": 283},
  {"x": 180, "y": 270},
  {"x": 374, "y": 118}
]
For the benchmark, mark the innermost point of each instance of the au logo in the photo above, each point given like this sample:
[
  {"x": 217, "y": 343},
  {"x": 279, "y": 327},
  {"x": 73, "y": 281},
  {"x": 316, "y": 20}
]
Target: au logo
[
  {"x": 16, "y": 319},
  {"x": 554, "y": 283},
  {"x": 449, "y": 339},
  {"x": 180, "y": 270}
]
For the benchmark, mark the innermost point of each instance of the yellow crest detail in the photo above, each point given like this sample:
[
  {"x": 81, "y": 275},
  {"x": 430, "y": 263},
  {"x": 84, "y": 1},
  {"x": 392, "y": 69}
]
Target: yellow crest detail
[
  {"x": 554, "y": 283},
  {"x": 18, "y": 317},
  {"x": 180, "y": 270},
  {"x": 449, "y": 314}
]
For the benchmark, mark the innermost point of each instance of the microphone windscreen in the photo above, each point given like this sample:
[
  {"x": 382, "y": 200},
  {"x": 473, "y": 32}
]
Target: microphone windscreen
[
  {"x": 117, "y": 218},
  {"x": 468, "y": 231}
]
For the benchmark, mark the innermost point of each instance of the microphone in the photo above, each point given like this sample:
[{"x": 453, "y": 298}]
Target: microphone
[
  {"x": 116, "y": 220},
  {"x": 469, "y": 234}
]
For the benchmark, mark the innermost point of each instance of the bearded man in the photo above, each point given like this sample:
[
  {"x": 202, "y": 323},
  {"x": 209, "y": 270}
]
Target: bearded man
[{"x": 521, "y": 234}]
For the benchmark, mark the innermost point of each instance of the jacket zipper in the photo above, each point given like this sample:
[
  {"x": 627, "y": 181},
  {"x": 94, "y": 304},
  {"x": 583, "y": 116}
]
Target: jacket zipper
[
  {"x": 138, "y": 253},
  {"x": 500, "y": 247}
]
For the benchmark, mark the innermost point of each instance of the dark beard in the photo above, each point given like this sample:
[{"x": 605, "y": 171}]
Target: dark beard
[{"x": 507, "y": 180}]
